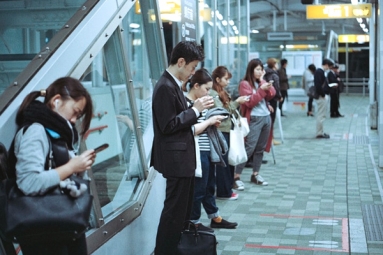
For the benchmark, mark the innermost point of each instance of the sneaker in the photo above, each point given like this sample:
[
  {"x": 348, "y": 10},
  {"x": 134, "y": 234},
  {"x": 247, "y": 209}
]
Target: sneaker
[
  {"x": 223, "y": 224},
  {"x": 238, "y": 184},
  {"x": 234, "y": 196},
  {"x": 201, "y": 227},
  {"x": 257, "y": 179}
]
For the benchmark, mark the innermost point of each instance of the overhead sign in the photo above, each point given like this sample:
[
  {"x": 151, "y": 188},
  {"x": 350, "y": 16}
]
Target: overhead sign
[
  {"x": 189, "y": 20},
  {"x": 353, "y": 38},
  {"x": 338, "y": 11}
]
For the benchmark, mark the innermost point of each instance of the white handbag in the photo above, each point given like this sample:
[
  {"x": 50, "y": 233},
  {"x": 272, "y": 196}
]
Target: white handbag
[
  {"x": 237, "y": 151},
  {"x": 198, "y": 170},
  {"x": 243, "y": 124}
]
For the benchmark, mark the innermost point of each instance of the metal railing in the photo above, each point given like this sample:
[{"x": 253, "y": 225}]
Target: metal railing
[{"x": 356, "y": 83}]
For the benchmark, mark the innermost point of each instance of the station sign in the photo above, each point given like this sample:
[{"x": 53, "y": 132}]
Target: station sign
[
  {"x": 338, "y": 11},
  {"x": 353, "y": 38}
]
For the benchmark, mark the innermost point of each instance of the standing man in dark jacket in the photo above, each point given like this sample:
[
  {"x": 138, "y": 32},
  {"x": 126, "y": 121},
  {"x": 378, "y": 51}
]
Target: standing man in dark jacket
[
  {"x": 283, "y": 84},
  {"x": 173, "y": 152},
  {"x": 321, "y": 86}
]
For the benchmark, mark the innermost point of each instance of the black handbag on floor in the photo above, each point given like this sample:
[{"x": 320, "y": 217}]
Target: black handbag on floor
[{"x": 194, "y": 242}]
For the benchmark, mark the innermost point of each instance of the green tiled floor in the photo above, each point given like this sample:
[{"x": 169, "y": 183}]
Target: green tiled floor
[{"x": 316, "y": 193}]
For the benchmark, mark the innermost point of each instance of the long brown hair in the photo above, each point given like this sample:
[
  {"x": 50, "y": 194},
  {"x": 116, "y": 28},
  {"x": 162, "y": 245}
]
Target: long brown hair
[
  {"x": 224, "y": 96},
  {"x": 66, "y": 87},
  {"x": 249, "y": 76}
]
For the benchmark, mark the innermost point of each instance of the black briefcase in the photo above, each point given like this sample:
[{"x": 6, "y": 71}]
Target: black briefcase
[{"x": 194, "y": 242}]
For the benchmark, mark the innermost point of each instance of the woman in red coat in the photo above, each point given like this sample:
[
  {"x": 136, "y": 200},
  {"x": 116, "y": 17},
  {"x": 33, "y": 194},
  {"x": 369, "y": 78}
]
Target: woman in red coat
[{"x": 257, "y": 112}]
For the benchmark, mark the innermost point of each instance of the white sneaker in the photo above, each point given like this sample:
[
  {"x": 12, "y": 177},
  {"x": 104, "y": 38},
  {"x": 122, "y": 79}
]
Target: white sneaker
[{"x": 238, "y": 185}]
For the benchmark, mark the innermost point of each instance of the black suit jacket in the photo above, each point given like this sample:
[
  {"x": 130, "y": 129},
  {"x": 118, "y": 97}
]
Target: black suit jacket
[{"x": 173, "y": 151}]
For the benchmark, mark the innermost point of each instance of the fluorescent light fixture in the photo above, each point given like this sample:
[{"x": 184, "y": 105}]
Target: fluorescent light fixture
[
  {"x": 224, "y": 22},
  {"x": 254, "y": 31},
  {"x": 231, "y": 22},
  {"x": 134, "y": 25}
]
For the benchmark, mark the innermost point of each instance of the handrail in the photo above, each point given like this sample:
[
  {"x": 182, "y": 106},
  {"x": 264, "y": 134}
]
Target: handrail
[
  {"x": 356, "y": 82},
  {"x": 91, "y": 130}
]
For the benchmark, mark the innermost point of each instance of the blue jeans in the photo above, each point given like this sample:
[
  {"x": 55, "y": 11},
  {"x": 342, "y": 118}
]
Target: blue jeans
[
  {"x": 225, "y": 175},
  {"x": 204, "y": 189}
]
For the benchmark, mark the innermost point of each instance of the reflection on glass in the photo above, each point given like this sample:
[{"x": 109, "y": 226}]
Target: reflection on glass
[
  {"x": 26, "y": 28},
  {"x": 118, "y": 171}
]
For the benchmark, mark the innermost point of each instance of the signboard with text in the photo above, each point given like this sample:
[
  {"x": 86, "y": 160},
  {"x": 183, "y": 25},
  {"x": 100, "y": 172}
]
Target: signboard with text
[
  {"x": 188, "y": 20},
  {"x": 338, "y": 11}
]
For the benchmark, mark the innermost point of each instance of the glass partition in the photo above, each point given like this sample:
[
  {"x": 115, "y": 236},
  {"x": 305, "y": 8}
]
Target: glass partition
[
  {"x": 26, "y": 27},
  {"x": 122, "y": 114}
]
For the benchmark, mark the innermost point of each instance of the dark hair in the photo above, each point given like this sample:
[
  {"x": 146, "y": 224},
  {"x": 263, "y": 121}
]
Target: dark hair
[
  {"x": 66, "y": 87},
  {"x": 328, "y": 62},
  {"x": 283, "y": 62},
  {"x": 220, "y": 72},
  {"x": 249, "y": 76},
  {"x": 201, "y": 76},
  {"x": 271, "y": 62},
  {"x": 190, "y": 51},
  {"x": 312, "y": 68}
]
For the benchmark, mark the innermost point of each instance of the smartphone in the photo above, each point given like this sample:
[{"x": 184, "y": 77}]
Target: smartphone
[{"x": 101, "y": 148}]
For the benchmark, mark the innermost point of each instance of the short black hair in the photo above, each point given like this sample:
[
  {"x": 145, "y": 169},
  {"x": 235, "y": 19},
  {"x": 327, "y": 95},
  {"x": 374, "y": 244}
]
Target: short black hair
[
  {"x": 312, "y": 68},
  {"x": 187, "y": 50},
  {"x": 327, "y": 61},
  {"x": 283, "y": 61}
]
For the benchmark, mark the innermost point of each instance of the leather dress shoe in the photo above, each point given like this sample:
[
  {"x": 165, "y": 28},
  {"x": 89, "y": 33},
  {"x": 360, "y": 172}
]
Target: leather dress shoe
[{"x": 323, "y": 136}]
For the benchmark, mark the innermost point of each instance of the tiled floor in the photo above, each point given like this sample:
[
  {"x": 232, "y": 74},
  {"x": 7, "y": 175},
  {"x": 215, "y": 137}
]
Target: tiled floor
[{"x": 324, "y": 196}]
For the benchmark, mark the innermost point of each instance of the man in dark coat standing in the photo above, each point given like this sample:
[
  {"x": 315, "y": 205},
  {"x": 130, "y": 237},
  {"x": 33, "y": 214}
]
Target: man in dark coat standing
[{"x": 173, "y": 152}]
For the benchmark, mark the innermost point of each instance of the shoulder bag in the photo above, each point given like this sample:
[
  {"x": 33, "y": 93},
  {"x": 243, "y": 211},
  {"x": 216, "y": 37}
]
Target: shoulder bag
[
  {"x": 194, "y": 242},
  {"x": 53, "y": 217},
  {"x": 237, "y": 151},
  {"x": 242, "y": 123}
]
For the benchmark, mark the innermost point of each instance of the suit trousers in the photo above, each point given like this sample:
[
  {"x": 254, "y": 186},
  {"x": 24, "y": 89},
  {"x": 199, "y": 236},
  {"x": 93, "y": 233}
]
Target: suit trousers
[
  {"x": 321, "y": 113},
  {"x": 177, "y": 208}
]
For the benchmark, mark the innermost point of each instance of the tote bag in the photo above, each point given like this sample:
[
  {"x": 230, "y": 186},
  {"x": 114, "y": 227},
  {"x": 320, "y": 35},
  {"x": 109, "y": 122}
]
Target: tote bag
[
  {"x": 198, "y": 170},
  {"x": 237, "y": 151},
  {"x": 243, "y": 124}
]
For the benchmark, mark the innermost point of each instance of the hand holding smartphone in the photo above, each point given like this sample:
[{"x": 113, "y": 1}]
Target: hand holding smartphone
[{"x": 101, "y": 148}]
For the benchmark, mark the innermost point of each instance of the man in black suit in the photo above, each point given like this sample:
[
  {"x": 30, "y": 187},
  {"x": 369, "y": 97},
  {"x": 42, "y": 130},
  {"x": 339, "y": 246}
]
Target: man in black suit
[{"x": 173, "y": 152}]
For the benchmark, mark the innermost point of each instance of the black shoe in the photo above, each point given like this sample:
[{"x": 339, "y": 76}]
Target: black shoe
[
  {"x": 223, "y": 224},
  {"x": 283, "y": 115},
  {"x": 323, "y": 136},
  {"x": 264, "y": 161},
  {"x": 339, "y": 115},
  {"x": 201, "y": 227},
  {"x": 334, "y": 116}
]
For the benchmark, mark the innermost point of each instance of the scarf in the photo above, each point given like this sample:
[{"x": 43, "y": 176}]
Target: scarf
[{"x": 38, "y": 112}]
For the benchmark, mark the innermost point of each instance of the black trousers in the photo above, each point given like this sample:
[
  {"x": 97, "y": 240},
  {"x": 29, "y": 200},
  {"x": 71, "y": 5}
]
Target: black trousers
[
  {"x": 77, "y": 247},
  {"x": 284, "y": 95},
  {"x": 334, "y": 101},
  {"x": 177, "y": 209}
]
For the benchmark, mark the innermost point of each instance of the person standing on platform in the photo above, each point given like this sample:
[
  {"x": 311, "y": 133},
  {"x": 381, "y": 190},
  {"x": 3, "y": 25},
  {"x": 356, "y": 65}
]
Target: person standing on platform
[
  {"x": 333, "y": 78},
  {"x": 225, "y": 175},
  {"x": 272, "y": 76},
  {"x": 283, "y": 83},
  {"x": 307, "y": 82},
  {"x": 204, "y": 186},
  {"x": 173, "y": 151},
  {"x": 322, "y": 89},
  {"x": 257, "y": 112}
]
